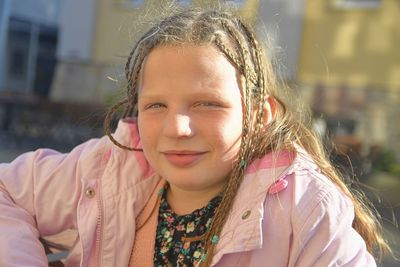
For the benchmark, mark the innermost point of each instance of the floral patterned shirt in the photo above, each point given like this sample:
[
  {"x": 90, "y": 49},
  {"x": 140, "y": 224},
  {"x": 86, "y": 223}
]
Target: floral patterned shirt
[{"x": 177, "y": 242}]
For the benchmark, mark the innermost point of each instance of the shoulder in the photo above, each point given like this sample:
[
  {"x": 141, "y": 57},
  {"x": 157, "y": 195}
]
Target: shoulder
[
  {"x": 321, "y": 217},
  {"x": 315, "y": 196},
  {"x": 309, "y": 194}
]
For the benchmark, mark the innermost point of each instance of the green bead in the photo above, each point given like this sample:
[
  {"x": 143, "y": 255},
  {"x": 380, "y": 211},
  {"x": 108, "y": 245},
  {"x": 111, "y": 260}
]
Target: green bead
[
  {"x": 242, "y": 163},
  {"x": 215, "y": 239},
  {"x": 160, "y": 192}
]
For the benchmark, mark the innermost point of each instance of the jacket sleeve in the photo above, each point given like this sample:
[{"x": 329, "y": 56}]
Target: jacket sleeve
[
  {"x": 326, "y": 237},
  {"x": 39, "y": 194}
]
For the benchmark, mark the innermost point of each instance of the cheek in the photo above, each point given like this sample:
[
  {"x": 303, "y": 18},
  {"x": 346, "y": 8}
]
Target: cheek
[
  {"x": 227, "y": 138},
  {"x": 233, "y": 126},
  {"x": 233, "y": 134}
]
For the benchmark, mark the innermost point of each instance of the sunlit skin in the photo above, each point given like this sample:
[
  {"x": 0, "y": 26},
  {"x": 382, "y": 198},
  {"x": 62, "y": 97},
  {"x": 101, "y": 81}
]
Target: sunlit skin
[{"x": 190, "y": 121}]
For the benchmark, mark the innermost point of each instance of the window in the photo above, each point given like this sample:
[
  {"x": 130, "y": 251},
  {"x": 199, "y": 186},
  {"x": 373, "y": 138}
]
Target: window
[
  {"x": 17, "y": 63},
  {"x": 130, "y": 3},
  {"x": 30, "y": 56},
  {"x": 185, "y": 2},
  {"x": 137, "y": 2},
  {"x": 17, "y": 55},
  {"x": 356, "y": 4},
  {"x": 238, "y": 3},
  {"x": 45, "y": 60}
]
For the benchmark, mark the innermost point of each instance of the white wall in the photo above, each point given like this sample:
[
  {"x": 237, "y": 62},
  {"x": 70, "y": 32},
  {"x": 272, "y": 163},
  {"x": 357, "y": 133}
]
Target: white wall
[
  {"x": 282, "y": 24},
  {"x": 76, "y": 30}
]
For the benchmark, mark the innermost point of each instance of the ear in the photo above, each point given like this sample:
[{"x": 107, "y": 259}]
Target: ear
[{"x": 269, "y": 110}]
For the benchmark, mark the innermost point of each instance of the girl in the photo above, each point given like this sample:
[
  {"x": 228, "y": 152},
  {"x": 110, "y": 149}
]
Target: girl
[{"x": 208, "y": 167}]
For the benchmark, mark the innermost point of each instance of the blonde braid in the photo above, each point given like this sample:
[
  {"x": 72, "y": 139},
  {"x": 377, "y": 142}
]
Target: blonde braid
[
  {"x": 132, "y": 91},
  {"x": 138, "y": 53},
  {"x": 259, "y": 69},
  {"x": 128, "y": 75}
]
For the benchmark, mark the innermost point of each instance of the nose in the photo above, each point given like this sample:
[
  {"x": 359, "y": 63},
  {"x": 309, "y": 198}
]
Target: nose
[{"x": 178, "y": 126}]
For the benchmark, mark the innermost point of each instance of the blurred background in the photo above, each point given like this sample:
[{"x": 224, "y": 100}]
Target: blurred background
[{"x": 62, "y": 62}]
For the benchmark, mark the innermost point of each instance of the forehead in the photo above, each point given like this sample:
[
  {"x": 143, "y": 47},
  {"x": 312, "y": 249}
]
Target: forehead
[
  {"x": 201, "y": 58},
  {"x": 187, "y": 65}
]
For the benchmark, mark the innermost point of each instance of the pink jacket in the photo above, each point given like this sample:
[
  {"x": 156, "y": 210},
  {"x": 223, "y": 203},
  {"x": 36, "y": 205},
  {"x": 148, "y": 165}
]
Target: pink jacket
[{"x": 99, "y": 189}]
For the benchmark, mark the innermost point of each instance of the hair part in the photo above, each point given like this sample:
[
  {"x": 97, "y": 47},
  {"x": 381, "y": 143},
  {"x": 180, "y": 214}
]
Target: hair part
[{"x": 239, "y": 44}]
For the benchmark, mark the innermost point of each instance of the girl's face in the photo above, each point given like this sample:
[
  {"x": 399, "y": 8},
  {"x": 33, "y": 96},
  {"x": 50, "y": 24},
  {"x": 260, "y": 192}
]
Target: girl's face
[{"x": 190, "y": 116}]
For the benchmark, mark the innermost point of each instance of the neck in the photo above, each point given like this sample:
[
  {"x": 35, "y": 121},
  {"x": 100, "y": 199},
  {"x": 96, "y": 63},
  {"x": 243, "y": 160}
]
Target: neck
[{"x": 184, "y": 201}]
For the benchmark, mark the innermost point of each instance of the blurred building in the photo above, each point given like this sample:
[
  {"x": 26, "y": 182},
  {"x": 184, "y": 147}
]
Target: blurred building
[
  {"x": 350, "y": 62},
  {"x": 344, "y": 57}
]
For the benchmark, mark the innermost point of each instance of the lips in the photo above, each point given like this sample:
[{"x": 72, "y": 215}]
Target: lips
[{"x": 183, "y": 158}]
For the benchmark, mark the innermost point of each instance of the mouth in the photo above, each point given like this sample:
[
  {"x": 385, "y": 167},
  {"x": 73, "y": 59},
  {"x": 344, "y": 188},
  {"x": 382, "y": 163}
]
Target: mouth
[{"x": 183, "y": 158}]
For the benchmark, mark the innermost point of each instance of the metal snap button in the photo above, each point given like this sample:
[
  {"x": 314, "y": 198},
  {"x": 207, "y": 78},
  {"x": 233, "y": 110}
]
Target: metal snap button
[
  {"x": 246, "y": 214},
  {"x": 89, "y": 192}
]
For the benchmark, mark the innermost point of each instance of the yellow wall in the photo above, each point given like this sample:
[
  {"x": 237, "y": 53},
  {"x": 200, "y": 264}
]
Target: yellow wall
[
  {"x": 117, "y": 23},
  {"x": 353, "y": 47}
]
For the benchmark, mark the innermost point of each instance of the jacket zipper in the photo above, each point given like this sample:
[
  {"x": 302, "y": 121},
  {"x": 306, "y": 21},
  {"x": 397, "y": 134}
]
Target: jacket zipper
[{"x": 100, "y": 223}]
